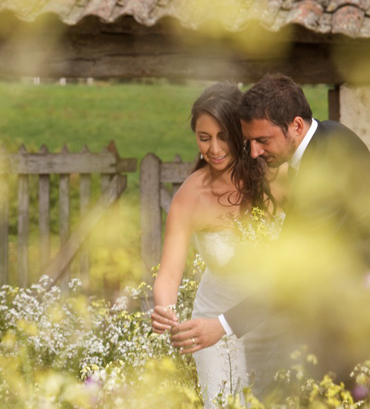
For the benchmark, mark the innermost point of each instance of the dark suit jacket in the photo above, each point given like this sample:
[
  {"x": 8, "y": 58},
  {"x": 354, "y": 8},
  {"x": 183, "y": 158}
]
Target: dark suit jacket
[{"x": 330, "y": 198}]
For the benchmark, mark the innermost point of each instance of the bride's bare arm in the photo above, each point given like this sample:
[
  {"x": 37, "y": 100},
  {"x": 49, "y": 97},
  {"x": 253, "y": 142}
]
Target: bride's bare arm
[{"x": 176, "y": 243}]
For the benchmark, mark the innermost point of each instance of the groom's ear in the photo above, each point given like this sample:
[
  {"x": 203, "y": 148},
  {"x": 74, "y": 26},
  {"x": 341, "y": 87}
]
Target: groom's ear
[{"x": 298, "y": 126}]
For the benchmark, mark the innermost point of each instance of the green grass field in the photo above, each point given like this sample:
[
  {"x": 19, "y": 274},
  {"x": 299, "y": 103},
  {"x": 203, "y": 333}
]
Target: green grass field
[{"x": 139, "y": 118}]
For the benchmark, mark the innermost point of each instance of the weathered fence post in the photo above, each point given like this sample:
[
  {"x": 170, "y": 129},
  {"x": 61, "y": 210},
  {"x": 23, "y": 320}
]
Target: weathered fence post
[
  {"x": 44, "y": 214},
  {"x": 176, "y": 186},
  {"x": 64, "y": 217},
  {"x": 23, "y": 225},
  {"x": 85, "y": 197},
  {"x": 4, "y": 229},
  {"x": 151, "y": 213}
]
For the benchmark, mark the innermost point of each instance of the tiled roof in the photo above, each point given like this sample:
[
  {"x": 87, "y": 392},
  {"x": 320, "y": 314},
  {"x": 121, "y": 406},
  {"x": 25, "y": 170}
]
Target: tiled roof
[{"x": 348, "y": 17}]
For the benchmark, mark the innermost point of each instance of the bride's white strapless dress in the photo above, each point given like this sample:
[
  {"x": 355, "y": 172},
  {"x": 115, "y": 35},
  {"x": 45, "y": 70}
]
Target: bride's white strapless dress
[{"x": 234, "y": 363}]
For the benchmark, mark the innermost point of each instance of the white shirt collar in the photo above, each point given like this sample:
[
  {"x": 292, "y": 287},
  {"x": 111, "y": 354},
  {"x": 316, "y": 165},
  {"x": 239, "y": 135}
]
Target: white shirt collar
[{"x": 295, "y": 160}]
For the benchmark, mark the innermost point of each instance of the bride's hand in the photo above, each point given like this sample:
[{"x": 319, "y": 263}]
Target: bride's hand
[{"x": 163, "y": 319}]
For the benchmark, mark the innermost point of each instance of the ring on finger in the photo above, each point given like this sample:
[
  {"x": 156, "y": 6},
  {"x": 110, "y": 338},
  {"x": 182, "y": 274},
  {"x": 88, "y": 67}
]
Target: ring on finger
[{"x": 194, "y": 344}]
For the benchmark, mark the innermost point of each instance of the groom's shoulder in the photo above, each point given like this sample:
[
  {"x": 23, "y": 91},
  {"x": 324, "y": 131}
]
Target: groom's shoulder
[
  {"x": 330, "y": 127},
  {"x": 339, "y": 134}
]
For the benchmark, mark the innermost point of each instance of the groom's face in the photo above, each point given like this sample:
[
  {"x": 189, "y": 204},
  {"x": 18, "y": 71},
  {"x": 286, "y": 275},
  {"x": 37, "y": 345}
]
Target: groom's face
[{"x": 269, "y": 142}]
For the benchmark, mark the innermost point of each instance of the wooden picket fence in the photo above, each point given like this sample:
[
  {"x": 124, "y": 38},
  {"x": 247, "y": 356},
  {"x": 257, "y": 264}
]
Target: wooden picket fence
[
  {"x": 159, "y": 181},
  {"x": 43, "y": 164},
  {"x": 156, "y": 197}
]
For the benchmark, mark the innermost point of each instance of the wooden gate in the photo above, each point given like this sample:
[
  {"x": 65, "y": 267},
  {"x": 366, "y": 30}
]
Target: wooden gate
[{"x": 43, "y": 164}]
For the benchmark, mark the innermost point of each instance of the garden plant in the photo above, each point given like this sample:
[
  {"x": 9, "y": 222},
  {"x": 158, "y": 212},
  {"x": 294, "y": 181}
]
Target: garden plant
[{"x": 72, "y": 351}]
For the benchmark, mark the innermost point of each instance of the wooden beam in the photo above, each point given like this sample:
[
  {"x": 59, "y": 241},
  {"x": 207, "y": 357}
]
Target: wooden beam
[
  {"x": 62, "y": 163},
  {"x": 175, "y": 172},
  {"x": 126, "y": 165},
  {"x": 134, "y": 56},
  {"x": 334, "y": 103},
  {"x": 127, "y": 49}
]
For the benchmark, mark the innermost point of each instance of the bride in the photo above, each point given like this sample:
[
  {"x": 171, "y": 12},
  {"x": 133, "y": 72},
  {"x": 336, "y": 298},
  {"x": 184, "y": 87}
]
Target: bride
[{"x": 205, "y": 208}]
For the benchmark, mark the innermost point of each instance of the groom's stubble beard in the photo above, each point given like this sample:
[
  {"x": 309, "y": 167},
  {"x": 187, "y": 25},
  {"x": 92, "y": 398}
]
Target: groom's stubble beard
[{"x": 286, "y": 152}]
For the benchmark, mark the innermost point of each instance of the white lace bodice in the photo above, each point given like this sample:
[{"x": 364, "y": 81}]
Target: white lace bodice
[
  {"x": 225, "y": 253},
  {"x": 219, "y": 288},
  {"x": 216, "y": 247}
]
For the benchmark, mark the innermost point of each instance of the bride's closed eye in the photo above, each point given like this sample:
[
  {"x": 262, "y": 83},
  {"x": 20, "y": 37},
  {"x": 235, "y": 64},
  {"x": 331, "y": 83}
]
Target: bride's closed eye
[{"x": 203, "y": 137}]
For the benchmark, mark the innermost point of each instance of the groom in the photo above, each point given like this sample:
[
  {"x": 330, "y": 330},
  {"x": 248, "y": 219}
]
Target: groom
[{"x": 329, "y": 168}]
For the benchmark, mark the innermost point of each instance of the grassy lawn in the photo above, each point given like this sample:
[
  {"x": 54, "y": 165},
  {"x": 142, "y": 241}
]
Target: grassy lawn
[{"x": 139, "y": 118}]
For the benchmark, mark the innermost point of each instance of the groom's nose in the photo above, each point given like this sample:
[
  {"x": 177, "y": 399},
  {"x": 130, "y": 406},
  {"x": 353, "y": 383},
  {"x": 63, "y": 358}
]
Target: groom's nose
[{"x": 256, "y": 149}]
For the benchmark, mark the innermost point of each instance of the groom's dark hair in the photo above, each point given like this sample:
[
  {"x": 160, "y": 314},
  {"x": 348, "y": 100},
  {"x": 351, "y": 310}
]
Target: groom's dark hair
[{"x": 276, "y": 98}]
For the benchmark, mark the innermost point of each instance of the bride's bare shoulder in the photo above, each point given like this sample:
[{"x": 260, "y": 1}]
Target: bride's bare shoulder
[{"x": 191, "y": 189}]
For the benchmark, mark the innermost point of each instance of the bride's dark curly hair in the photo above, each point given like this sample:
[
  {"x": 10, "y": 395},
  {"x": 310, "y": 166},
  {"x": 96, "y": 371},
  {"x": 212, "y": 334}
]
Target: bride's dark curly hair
[{"x": 221, "y": 101}]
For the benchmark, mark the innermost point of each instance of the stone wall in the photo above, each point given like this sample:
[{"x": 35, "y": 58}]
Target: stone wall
[{"x": 355, "y": 110}]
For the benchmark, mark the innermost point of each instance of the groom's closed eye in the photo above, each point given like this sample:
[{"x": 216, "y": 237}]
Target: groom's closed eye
[{"x": 263, "y": 141}]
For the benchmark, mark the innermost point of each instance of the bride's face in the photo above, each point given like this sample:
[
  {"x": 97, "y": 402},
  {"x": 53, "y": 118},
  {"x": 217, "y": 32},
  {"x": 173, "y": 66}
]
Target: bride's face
[{"x": 212, "y": 142}]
